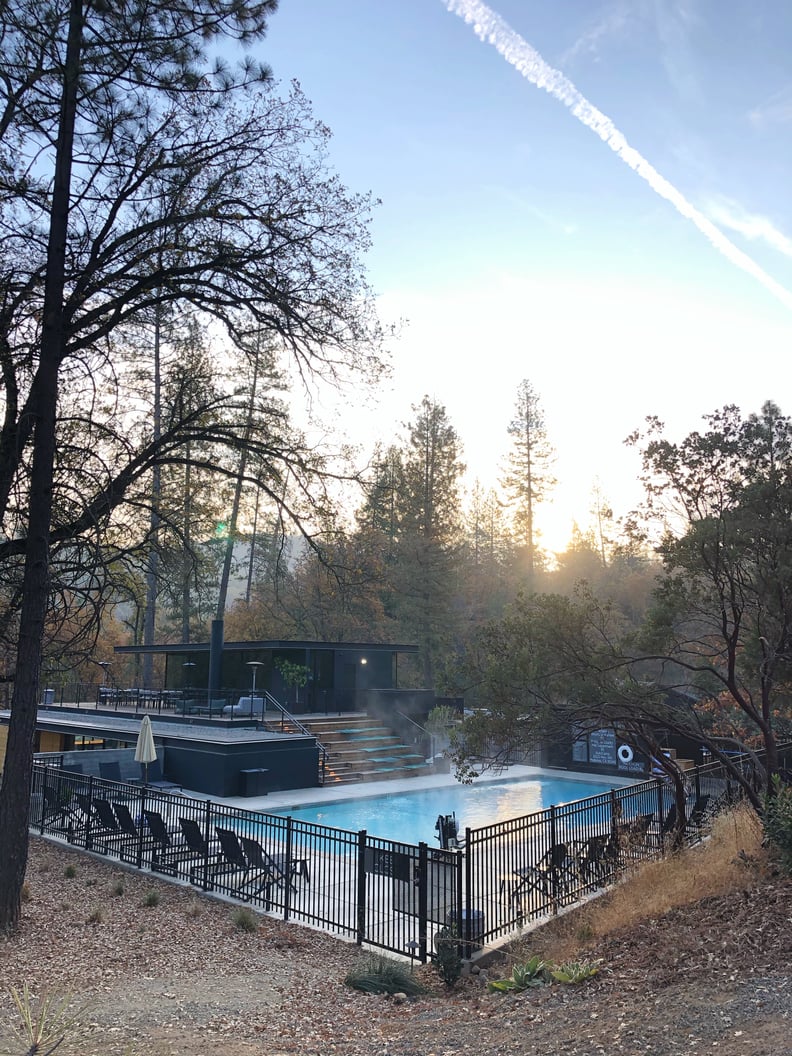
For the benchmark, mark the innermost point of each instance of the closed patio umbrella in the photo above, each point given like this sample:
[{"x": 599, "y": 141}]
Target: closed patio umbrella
[{"x": 145, "y": 749}]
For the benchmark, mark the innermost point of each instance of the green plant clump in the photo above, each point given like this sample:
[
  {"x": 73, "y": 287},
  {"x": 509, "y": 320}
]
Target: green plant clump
[
  {"x": 245, "y": 919},
  {"x": 778, "y": 822},
  {"x": 524, "y": 976},
  {"x": 70, "y": 872},
  {"x": 448, "y": 960},
  {"x": 151, "y": 899},
  {"x": 575, "y": 971},
  {"x": 383, "y": 975}
]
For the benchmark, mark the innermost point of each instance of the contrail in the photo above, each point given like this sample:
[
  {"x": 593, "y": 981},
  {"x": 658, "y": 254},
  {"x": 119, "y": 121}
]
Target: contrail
[{"x": 492, "y": 29}]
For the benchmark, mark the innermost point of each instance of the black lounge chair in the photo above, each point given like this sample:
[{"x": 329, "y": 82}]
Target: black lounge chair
[
  {"x": 57, "y": 804},
  {"x": 699, "y": 814},
  {"x": 163, "y": 837},
  {"x": 111, "y": 771},
  {"x": 266, "y": 870},
  {"x": 234, "y": 862},
  {"x": 551, "y": 878},
  {"x": 598, "y": 859},
  {"x": 273, "y": 868},
  {"x": 195, "y": 849},
  {"x": 153, "y": 778}
]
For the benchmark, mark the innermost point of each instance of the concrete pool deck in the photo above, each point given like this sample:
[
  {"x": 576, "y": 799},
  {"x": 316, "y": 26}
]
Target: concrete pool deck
[{"x": 296, "y": 798}]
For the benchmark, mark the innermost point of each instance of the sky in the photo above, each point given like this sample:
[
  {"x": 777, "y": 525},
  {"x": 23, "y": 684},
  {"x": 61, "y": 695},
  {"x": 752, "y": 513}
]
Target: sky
[{"x": 598, "y": 204}]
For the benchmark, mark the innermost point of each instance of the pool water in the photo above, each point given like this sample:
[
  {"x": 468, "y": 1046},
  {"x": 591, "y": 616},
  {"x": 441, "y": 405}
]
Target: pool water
[{"x": 410, "y": 817}]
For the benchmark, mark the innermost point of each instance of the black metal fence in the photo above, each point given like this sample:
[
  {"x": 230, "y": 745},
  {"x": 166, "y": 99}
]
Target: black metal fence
[{"x": 378, "y": 892}]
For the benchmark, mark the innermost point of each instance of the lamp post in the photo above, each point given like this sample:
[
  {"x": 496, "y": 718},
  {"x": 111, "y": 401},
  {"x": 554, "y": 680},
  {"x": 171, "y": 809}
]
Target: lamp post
[{"x": 188, "y": 665}]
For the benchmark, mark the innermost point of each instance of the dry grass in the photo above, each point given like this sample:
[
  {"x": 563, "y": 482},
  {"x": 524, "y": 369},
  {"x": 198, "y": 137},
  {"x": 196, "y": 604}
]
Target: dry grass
[{"x": 712, "y": 868}]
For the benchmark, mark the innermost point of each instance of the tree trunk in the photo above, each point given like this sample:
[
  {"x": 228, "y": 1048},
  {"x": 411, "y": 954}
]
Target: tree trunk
[
  {"x": 150, "y": 620},
  {"x": 18, "y": 769}
]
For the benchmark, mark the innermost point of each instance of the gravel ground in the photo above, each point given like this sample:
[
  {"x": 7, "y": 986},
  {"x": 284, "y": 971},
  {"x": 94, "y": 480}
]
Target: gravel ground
[{"x": 179, "y": 977}]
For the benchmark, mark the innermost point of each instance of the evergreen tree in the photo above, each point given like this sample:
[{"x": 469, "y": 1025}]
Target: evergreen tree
[
  {"x": 425, "y": 577},
  {"x": 528, "y": 478}
]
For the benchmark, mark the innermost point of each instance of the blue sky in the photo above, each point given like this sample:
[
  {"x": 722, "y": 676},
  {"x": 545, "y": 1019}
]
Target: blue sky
[{"x": 517, "y": 244}]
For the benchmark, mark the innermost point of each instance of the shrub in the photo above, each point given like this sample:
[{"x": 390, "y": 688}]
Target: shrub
[
  {"x": 448, "y": 960},
  {"x": 118, "y": 889},
  {"x": 383, "y": 975},
  {"x": 43, "y": 1023},
  {"x": 245, "y": 919},
  {"x": 524, "y": 976},
  {"x": 575, "y": 971},
  {"x": 96, "y": 916},
  {"x": 778, "y": 822},
  {"x": 151, "y": 899},
  {"x": 70, "y": 872},
  {"x": 24, "y": 894}
]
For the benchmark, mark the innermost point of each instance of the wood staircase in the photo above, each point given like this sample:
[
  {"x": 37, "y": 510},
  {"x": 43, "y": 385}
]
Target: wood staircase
[{"x": 361, "y": 749}]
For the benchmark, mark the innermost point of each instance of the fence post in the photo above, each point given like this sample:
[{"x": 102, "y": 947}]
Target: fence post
[
  {"x": 361, "y": 887},
  {"x": 553, "y": 871},
  {"x": 207, "y": 829},
  {"x": 288, "y": 884},
  {"x": 461, "y": 888},
  {"x": 423, "y": 899},
  {"x": 661, "y": 815},
  {"x": 141, "y": 823},
  {"x": 89, "y": 820}
]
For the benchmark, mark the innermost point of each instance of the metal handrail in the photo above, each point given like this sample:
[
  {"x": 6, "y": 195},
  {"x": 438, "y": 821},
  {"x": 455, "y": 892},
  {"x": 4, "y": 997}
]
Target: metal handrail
[{"x": 287, "y": 716}]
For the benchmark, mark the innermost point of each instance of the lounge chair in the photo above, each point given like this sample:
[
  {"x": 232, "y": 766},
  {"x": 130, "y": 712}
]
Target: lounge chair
[
  {"x": 598, "y": 858},
  {"x": 152, "y": 778},
  {"x": 196, "y": 849},
  {"x": 57, "y": 804},
  {"x": 277, "y": 868},
  {"x": 234, "y": 862},
  {"x": 111, "y": 771},
  {"x": 551, "y": 878},
  {"x": 699, "y": 814}
]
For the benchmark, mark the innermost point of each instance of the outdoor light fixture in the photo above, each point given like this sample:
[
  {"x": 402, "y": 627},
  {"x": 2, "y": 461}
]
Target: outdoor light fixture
[{"x": 254, "y": 665}]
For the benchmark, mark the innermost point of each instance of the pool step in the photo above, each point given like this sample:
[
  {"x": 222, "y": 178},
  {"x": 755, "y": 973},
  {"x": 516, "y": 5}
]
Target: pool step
[{"x": 363, "y": 749}]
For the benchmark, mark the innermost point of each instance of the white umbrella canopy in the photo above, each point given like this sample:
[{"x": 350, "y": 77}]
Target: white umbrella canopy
[{"x": 145, "y": 749}]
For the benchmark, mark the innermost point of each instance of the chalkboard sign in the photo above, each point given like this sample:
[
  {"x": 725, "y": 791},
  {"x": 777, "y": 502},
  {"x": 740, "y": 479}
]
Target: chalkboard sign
[
  {"x": 602, "y": 747},
  {"x": 579, "y": 751},
  {"x": 387, "y": 862}
]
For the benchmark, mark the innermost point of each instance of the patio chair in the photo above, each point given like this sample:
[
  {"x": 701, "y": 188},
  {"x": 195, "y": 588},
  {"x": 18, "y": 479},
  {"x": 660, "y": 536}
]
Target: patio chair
[
  {"x": 57, "y": 803},
  {"x": 282, "y": 869},
  {"x": 163, "y": 837},
  {"x": 170, "y": 846},
  {"x": 153, "y": 778},
  {"x": 266, "y": 870},
  {"x": 699, "y": 814},
  {"x": 550, "y": 878},
  {"x": 196, "y": 849},
  {"x": 598, "y": 858},
  {"x": 234, "y": 862},
  {"x": 111, "y": 771}
]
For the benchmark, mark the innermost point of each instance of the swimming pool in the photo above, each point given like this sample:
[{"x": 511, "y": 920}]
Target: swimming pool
[{"x": 409, "y": 817}]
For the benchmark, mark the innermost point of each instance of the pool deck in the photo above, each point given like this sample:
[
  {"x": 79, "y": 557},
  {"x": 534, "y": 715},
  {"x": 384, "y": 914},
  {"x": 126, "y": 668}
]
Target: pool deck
[{"x": 296, "y": 798}]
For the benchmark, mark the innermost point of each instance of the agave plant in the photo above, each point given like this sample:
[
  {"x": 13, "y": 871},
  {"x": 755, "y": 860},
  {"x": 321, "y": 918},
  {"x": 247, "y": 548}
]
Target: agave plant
[
  {"x": 575, "y": 971},
  {"x": 523, "y": 977}
]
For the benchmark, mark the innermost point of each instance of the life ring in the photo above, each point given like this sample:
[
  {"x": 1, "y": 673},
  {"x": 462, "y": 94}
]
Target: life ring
[{"x": 625, "y": 753}]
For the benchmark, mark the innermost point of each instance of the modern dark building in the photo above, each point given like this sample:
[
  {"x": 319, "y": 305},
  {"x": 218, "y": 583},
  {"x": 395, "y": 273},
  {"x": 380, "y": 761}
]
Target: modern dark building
[{"x": 335, "y": 676}]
